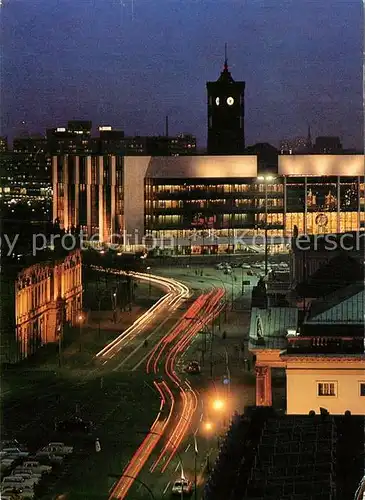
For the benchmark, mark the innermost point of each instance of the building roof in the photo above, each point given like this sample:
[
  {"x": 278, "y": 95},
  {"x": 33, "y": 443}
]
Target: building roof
[
  {"x": 322, "y": 165},
  {"x": 185, "y": 167},
  {"x": 341, "y": 271},
  {"x": 269, "y": 327},
  {"x": 344, "y": 306}
]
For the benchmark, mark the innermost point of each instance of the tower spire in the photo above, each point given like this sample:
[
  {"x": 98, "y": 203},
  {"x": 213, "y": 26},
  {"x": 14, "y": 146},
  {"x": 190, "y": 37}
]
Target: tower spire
[
  {"x": 225, "y": 57},
  {"x": 309, "y": 137}
]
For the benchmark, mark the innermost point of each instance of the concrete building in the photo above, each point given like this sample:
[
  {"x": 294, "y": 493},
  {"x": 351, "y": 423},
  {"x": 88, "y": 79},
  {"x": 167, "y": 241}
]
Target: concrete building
[{"x": 208, "y": 204}]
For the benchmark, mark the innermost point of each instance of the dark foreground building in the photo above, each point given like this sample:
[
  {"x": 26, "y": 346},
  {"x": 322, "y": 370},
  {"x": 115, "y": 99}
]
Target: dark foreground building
[{"x": 271, "y": 457}]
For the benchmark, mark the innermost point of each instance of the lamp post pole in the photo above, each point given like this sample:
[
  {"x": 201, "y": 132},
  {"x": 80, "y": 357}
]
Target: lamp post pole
[
  {"x": 266, "y": 243},
  {"x": 149, "y": 281},
  {"x": 195, "y": 467},
  {"x": 80, "y": 333}
]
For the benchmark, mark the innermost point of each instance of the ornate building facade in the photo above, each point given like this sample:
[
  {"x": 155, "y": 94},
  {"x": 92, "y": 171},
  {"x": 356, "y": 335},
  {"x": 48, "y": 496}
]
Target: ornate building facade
[{"x": 47, "y": 295}]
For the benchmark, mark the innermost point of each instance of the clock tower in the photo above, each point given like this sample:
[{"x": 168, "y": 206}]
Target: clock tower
[{"x": 226, "y": 114}]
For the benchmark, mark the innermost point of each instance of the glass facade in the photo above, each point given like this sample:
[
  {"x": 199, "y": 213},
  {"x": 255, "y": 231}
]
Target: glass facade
[{"x": 311, "y": 205}]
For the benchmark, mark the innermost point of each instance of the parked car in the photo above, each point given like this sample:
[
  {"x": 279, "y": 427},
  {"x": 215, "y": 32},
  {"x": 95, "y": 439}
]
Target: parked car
[
  {"x": 75, "y": 424},
  {"x": 32, "y": 479},
  {"x": 7, "y": 461},
  {"x": 245, "y": 266},
  {"x": 16, "y": 482},
  {"x": 12, "y": 443},
  {"x": 47, "y": 457},
  {"x": 36, "y": 467},
  {"x": 17, "y": 493},
  {"x": 15, "y": 452},
  {"x": 58, "y": 449},
  {"x": 182, "y": 486}
]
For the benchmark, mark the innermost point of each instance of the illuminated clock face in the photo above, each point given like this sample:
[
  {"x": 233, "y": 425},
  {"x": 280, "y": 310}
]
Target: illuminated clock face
[
  {"x": 230, "y": 101},
  {"x": 217, "y": 101}
]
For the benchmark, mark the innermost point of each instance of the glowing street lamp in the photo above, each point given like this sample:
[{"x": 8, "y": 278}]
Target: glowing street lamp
[
  {"x": 208, "y": 426},
  {"x": 218, "y": 404}
]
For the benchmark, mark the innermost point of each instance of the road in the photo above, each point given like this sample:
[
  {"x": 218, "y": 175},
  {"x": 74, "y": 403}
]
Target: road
[
  {"x": 181, "y": 444},
  {"x": 179, "y": 400}
]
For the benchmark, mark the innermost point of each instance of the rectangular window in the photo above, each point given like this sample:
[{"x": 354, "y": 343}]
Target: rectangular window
[
  {"x": 327, "y": 388},
  {"x": 362, "y": 389}
]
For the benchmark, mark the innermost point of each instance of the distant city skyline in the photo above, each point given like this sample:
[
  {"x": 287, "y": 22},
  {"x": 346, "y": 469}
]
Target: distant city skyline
[{"x": 302, "y": 64}]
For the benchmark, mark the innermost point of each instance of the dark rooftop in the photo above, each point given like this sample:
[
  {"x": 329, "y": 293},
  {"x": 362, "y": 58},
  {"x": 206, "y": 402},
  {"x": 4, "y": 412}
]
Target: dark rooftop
[
  {"x": 271, "y": 457},
  {"x": 341, "y": 271}
]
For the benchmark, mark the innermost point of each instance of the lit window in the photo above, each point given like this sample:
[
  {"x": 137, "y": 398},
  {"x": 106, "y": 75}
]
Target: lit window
[
  {"x": 362, "y": 389},
  {"x": 327, "y": 388}
]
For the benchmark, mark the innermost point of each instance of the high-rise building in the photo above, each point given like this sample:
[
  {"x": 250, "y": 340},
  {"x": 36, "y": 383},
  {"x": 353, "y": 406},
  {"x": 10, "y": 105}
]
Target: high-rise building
[
  {"x": 75, "y": 138},
  {"x": 25, "y": 173},
  {"x": 3, "y": 144},
  {"x": 114, "y": 141},
  {"x": 328, "y": 145},
  {"x": 226, "y": 114}
]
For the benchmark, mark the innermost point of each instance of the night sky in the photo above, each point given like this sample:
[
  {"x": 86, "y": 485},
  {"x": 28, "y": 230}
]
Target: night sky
[{"x": 128, "y": 64}]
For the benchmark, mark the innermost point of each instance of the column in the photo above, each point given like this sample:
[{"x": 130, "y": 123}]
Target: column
[
  {"x": 88, "y": 196},
  {"x": 100, "y": 184},
  {"x": 338, "y": 194},
  {"x": 263, "y": 386},
  {"x": 113, "y": 183},
  {"x": 66, "y": 187},
  {"x": 76, "y": 186},
  {"x": 305, "y": 223},
  {"x": 55, "y": 188}
]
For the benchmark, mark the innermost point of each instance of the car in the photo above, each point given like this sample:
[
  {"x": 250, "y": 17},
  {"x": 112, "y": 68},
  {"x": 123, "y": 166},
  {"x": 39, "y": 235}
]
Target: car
[
  {"x": 193, "y": 367},
  {"x": 58, "y": 449},
  {"x": 12, "y": 443},
  {"x": 14, "y": 452},
  {"x": 31, "y": 479},
  {"x": 16, "y": 482},
  {"x": 74, "y": 424},
  {"x": 17, "y": 493},
  {"x": 36, "y": 468},
  {"x": 47, "y": 457},
  {"x": 182, "y": 487},
  {"x": 245, "y": 266}
]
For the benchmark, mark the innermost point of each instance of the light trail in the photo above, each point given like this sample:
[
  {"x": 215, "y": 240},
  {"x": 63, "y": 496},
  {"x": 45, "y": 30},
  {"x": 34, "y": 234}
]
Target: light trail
[
  {"x": 176, "y": 294},
  {"x": 201, "y": 312}
]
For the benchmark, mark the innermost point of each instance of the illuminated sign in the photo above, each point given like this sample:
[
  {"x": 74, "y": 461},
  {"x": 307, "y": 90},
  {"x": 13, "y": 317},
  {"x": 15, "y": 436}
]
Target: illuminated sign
[
  {"x": 104, "y": 128},
  {"x": 60, "y": 129},
  {"x": 321, "y": 220}
]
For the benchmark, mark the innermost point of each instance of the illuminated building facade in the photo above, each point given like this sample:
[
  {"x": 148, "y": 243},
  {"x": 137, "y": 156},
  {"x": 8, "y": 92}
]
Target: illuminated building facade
[
  {"x": 35, "y": 299},
  {"x": 45, "y": 295},
  {"x": 3, "y": 144},
  {"x": 207, "y": 203}
]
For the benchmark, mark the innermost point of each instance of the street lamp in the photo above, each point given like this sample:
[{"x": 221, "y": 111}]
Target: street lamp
[
  {"x": 149, "y": 281},
  {"x": 266, "y": 179},
  {"x": 218, "y": 404},
  {"x": 80, "y": 318}
]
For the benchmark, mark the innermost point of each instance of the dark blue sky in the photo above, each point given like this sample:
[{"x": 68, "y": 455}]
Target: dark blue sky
[{"x": 89, "y": 59}]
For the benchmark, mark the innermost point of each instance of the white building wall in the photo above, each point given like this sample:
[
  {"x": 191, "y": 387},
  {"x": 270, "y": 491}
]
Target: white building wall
[
  {"x": 302, "y": 389},
  {"x": 135, "y": 169}
]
